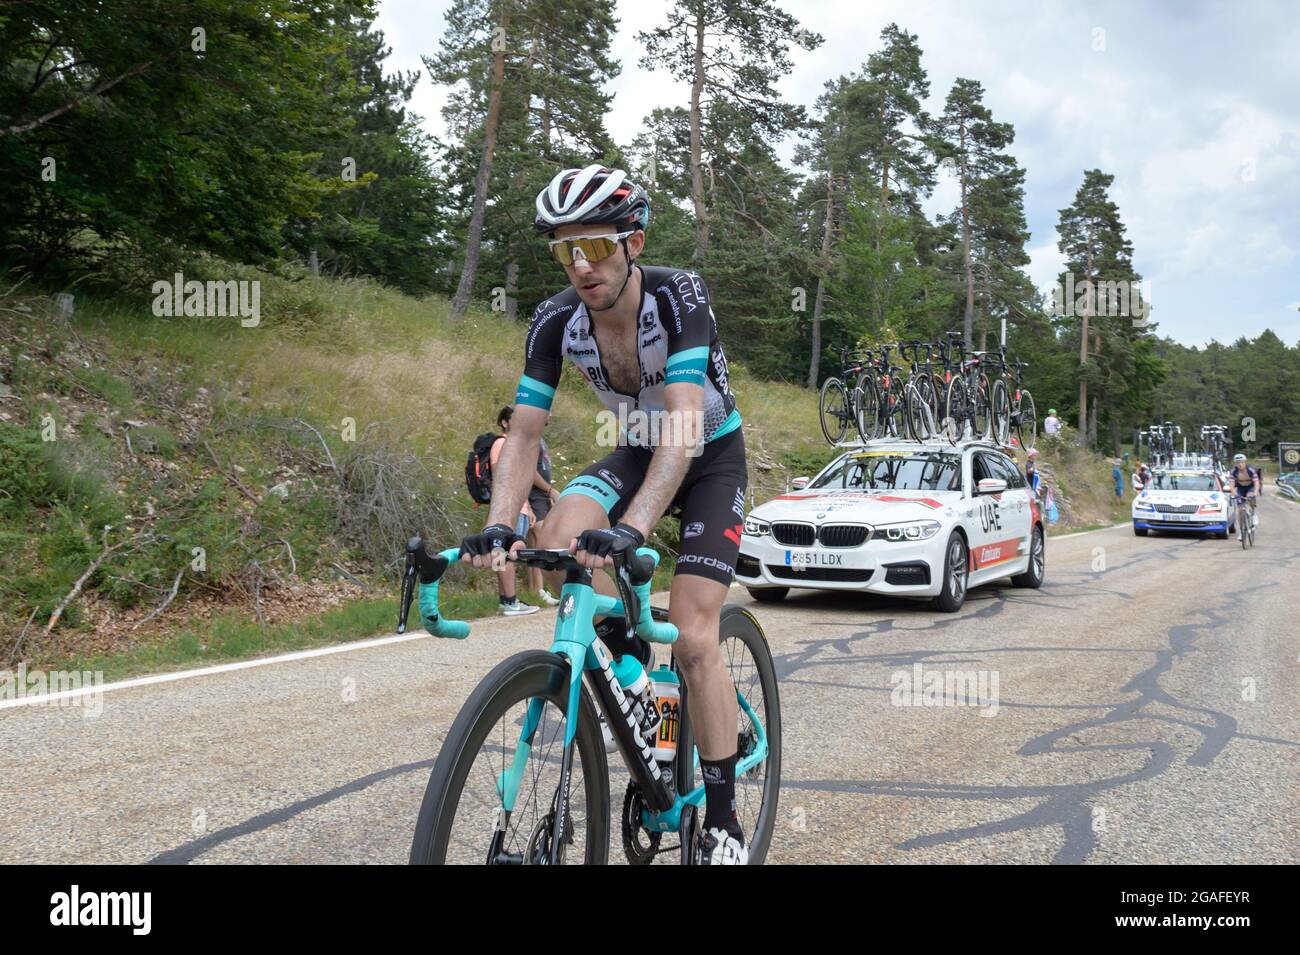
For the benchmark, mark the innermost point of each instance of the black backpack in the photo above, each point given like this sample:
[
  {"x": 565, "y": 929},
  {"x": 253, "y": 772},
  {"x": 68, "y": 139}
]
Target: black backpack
[{"x": 478, "y": 468}]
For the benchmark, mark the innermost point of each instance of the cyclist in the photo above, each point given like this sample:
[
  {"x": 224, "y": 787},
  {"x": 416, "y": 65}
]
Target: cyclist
[
  {"x": 646, "y": 340},
  {"x": 1245, "y": 485}
]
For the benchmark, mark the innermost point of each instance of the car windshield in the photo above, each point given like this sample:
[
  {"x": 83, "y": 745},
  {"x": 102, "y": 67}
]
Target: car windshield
[
  {"x": 1181, "y": 481},
  {"x": 894, "y": 471}
]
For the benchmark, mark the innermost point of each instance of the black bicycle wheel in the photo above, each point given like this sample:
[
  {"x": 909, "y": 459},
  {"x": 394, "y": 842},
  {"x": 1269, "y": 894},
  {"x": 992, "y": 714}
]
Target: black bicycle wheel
[
  {"x": 749, "y": 660},
  {"x": 1027, "y": 423},
  {"x": 919, "y": 422},
  {"x": 1001, "y": 412},
  {"x": 866, "y": 396},
  {"x": 459, "y": 815},
  {"x": 956, "y": 410},
  {"x": 895, "y": 410},
  {"x": 980, "y": 401},
  {"x": 835, "y": 411}
]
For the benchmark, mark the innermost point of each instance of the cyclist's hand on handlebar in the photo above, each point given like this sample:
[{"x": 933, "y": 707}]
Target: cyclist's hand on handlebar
[
  {"x": 596, "y": 548},
  {"x": 481, "y": 549}
]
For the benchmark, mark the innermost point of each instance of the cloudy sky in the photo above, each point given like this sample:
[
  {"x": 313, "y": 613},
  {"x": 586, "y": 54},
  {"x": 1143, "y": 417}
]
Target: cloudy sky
[{"x": 1193, "y": 106}]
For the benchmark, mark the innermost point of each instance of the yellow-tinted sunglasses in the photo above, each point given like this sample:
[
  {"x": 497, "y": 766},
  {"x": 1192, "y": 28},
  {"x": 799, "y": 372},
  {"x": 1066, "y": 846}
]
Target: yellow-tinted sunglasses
[{"x": 592, "y": 248}]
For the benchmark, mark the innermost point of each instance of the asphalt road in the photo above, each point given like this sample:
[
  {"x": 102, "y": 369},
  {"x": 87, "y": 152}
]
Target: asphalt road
[{"x": 1141, "y": 707}]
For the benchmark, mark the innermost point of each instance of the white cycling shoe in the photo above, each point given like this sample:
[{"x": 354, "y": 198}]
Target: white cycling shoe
[{"x": 719, "y": 847}]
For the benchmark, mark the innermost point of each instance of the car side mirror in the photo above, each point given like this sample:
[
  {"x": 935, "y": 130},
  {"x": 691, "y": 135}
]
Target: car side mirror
[
  {"x": 990, "y": 486},
  {"x": 800, "y": 483}
]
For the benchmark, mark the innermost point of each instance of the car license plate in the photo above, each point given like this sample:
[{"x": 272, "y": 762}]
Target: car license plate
[
  {"x": 1176, "y": 517},
  {"x": 803, "y": 559}
]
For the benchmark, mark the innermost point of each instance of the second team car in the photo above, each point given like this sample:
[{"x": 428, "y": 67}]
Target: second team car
[
  {"x": 1184, "y": 500},
  {"x": 914, "y": 519}
]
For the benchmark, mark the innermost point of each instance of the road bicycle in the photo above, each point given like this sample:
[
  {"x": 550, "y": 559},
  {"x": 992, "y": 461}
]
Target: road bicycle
[
  {"x": 1012, "y": 406},
  {"x": 1246, "y": 523},
  {"x": 967, "y": 402},
  {"x": 522, "y": 777},
  {"x": 921, "y": 393},
  {"x": 881, "y": 399},
  {"x": 838, "y": 405}
]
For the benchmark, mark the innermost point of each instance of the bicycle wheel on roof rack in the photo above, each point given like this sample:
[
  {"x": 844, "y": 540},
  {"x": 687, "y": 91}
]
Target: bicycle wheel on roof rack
[{"x": 834, "y": 409}]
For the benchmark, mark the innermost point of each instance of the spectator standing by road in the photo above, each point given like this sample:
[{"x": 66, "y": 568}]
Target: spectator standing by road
[
  {"x": 1141, "y": 478},
  {"x": 1118, "y": 475},
  {"x": 1031, "y": 470},
  {"x": 511, "y": 605},
  {"x": 1051, "y": 424}
]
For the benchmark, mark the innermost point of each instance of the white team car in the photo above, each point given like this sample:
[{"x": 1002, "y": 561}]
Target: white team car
[
  {"x": 914, "y": 519},
  {"x": 1185, "y": 500}
]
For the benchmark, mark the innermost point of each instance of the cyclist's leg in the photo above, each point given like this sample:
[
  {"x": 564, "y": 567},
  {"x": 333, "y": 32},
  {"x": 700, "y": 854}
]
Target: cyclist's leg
[
  {"x": 712, "y": 518},
  {"x": 595, "y": 498}
]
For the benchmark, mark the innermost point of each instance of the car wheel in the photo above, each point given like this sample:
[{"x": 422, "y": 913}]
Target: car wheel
[
  {"x": 1037, "y": 569},
  {"x": 1140, "y": 531},
  {"x": 768, "y": 595},
  {"x": 956, "y": 572}
]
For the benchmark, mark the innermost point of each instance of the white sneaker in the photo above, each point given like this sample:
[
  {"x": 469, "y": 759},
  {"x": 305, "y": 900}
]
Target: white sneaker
[
  {"x": 547, "y": 598},
  {"x": 514, "y": 608},
  {"x": 719, "y": 847}
]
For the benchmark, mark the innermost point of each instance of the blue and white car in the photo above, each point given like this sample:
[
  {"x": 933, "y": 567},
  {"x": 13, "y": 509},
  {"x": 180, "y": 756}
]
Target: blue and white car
[
  {"x": 1186, "y": 501},
  {"x": 913, "y": 519}
]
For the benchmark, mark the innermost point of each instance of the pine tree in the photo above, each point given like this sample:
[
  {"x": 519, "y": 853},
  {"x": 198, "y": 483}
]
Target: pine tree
[{"x": 734, "y": 52}]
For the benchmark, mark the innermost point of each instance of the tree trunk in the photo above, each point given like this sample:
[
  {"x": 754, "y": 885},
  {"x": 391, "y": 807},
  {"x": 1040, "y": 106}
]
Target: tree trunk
[
  {"x": 697, "y": 175},
  {"x": 1092, "y": 424},
  {"x": 512, "y": 287},
  {"x": 1083, "y": 352},
  {"x": 968, "y": 322},
  {"x": 474, "y": 237},
  {"x": 827, "y": 229}
]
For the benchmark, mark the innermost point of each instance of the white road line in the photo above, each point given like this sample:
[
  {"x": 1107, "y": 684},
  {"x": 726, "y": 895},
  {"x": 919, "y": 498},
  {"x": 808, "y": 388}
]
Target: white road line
[
  {"x": 209, "y": 671},
  {"x": 1095, "y": 530}
]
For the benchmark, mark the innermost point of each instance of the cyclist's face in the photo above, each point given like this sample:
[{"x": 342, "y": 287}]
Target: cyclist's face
[{"x": 598, "y": 283}]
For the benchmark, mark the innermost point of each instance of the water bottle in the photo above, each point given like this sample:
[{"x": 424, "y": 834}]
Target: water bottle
[
  {"x": 637, "y": 685},
  {"x": 668, "y": 696}
]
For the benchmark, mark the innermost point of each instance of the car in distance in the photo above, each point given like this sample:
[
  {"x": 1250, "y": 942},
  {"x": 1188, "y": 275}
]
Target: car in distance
[{"x": 1186, "y": 501}]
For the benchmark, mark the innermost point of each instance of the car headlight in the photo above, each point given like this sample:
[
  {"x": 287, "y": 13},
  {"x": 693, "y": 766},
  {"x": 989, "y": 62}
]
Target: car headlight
[
  {"x": 756, "y": 528},
  {"x": 912, "y": 531},
  {"x": 1144, "y": 506}
]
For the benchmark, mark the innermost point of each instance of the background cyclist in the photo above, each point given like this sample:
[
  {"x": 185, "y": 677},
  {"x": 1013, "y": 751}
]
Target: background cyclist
[{"x": 1245, "y": 485}]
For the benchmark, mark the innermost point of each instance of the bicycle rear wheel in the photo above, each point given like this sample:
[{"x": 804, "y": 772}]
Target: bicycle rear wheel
[
  {"x": 895, "y": 411},
  {"x": 920, "y": 421},
  {"x": 834, "y": 410},
  {"x": 748, "y": 659},
  {"x": 462, "y": 806}
]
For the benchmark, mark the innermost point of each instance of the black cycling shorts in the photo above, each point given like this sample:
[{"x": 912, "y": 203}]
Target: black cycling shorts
[{"x": 710, "y": 502}]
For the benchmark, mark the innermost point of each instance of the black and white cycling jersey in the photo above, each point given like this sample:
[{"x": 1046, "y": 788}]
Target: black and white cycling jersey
[{"x": 677, "y": 341}]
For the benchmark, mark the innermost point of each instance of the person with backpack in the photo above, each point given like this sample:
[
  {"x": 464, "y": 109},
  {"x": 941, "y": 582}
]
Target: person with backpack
[{"x": 478, "y": 480}]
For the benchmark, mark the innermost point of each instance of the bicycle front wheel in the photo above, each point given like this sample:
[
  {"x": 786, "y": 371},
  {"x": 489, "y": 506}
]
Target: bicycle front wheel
[
  {"x": 748, "y": 660},
  {"x": 835, "y": 410},
  {"x": 1001, "y": 412},
  {"x": 956, "y": 410},
  {"x": 462, "y": 819},
  {"x": 866, "y": 397},
  {"x": 1027, "y": 423}
]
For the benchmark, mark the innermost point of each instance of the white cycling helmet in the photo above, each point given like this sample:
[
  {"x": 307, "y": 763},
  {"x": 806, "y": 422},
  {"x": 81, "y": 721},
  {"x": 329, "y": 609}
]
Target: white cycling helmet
[
  {"x": 1238, "y": 458},
  {"x": 596, "y": 194}
]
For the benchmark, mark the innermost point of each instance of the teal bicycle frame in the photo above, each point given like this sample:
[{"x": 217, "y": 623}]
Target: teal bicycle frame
[{"x": 575, "y": 639}]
